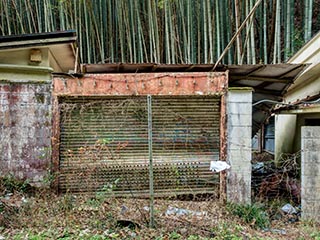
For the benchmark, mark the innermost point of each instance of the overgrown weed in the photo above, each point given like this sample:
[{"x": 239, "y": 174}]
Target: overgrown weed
[
  {"x": 46, "y": 215},
  {"x": 253, "y": 214},
  {"x": 10, "y": 184}
]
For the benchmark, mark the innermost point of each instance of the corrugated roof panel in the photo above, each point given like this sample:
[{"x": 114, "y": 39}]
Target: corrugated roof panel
[
  {"x": 276, "y": 86},
  {"x": 249, "y": 83}
]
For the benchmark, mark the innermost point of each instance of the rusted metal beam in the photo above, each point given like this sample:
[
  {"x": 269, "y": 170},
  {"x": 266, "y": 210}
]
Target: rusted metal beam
[{"x": 142, "y": 84}]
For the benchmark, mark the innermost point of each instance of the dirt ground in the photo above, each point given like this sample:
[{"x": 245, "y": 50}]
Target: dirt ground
[{"x": 45, "y": 215}]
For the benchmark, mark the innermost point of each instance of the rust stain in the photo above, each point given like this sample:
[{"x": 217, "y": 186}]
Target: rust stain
[
  {"x": 55, "y": 140},
  {"x": 25, "y": 130},
  {"x": 223, "y": 148},
  {"x": 142, "y": 84},
  {"x": 166, "y": 84}
]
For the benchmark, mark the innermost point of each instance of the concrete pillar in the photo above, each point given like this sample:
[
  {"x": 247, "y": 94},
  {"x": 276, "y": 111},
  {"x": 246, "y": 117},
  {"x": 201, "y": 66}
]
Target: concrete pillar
[
  {"x": 310, "y": 173},
  {"x": 239, "y": 125}
]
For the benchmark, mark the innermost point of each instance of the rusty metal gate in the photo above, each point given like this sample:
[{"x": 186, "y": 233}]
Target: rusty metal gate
[{"x": 104, "y": 144}]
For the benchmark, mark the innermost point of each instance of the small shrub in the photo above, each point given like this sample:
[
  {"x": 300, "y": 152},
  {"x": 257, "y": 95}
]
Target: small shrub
[
  {"x": 174, "y": 236},
  {"x": 227, "y": 231},
  {"x": 9, "y": 184},
  {"x": 252, "y": 214},
  {"x": 67, "y": 202}
]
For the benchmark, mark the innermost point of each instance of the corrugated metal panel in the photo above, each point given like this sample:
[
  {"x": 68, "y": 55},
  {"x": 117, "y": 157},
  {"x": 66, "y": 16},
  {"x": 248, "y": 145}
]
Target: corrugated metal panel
[{"x": 104, "y": 142}]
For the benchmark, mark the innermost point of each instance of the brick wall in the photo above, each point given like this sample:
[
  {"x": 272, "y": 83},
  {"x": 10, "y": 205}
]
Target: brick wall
[{"x": 25, "y": 129}]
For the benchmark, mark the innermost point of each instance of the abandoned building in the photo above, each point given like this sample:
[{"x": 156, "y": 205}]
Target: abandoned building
[
  {"x": 99, "y": 125},
  {"x": 297, "y": 125}
]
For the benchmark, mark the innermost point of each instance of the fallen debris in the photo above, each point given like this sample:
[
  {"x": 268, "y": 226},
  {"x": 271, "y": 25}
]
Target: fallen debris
[
  {"x": 289, "y": 209},
  {"x": 219, "y": 166},
  {"x": 270, "y": 181},
  {"x": 180, "y": 212}
]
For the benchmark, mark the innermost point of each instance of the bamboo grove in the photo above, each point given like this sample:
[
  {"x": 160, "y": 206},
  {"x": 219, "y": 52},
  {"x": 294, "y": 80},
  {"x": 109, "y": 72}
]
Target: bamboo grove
[{"x": 170, "y": 31}]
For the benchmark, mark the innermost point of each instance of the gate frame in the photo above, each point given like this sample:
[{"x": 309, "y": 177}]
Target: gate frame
[{"x": 141, "y": 84}]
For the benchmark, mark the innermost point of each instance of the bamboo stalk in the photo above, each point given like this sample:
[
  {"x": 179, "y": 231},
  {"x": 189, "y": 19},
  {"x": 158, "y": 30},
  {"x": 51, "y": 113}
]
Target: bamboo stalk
[
  {"x": 236, "y": 34},
  {"x": 306, "y": 19},
  {"x": 288, "y": 31},
  {"x": 237, "y": 21},
  {"x": 7, "y": 17},
  {"x": 166, "y": 33},
  {"x": 205, "y": 32},
  {"x": 247, "y": 44},
  {"x": 252, "y": 38},
  {"x": 276, "y": 48},
  {"x": 172, "y": 35},
  {"x": 218, "y": 32},
  {"x": 309, "y": 31},
  {"x": 210, "y": 32},
  {"x": 156, "y": 33},
  {"x": 110, "y": 33},
  {"x": 265, "y": 32},
  {"x": 169, "y": 31}
]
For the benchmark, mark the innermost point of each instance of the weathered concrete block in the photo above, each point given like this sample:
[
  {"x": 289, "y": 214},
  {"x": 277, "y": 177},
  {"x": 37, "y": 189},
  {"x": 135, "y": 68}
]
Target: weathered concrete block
[
  {"x": 311, "y": 170},
  {"x": 240, "y": 108},
  {"x": 241, "y": 168},
  {"x": 310, "y": 173},
  {"x": 239, "y": 121},
  {"x": 25, "y": 131},
  {"x": 308, "y": 192},
  {"x": 310, "y": 132},
  {"x": 239, "y": 142},
  {"x": 239, "y": 153},
  {"x": 239, "y": 96},
  {"x": 310, "y": 210},
  {"x": 314, "y": 155},
  {"x": 238, "y": 187},
  {"x": 311, "y": 144}
]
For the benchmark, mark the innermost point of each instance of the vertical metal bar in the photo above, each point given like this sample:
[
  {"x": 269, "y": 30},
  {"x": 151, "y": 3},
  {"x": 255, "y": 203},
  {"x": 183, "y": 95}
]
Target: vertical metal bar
[
  {"x": 151, "y": 190},
  {"x": 55, "y": 141},
  {"x": 223, "y": 146}
]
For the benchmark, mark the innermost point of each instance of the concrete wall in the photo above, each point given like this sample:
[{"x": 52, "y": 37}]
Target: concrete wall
[
  {"x": 285, "y": 130},
  {"x": 306, "y": 85},
  {"x": 22, "y": 57},
  {"x": 288, "y": 131},
  {"x": 308, "y": 82},
  {"x": 239, "y": 124},
  {"x": 310, "y": 173},
  {"x": 25, "y": 129}
]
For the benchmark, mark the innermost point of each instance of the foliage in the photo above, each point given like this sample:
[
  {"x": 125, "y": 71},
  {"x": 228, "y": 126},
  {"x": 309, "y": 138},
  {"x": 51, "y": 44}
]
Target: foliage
[
  {"x": 49, "y": 216},
  {"x": 10, "y": 184},
  {"x": 169, "y": 31},
  {"x": 252, "y": 214}
]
